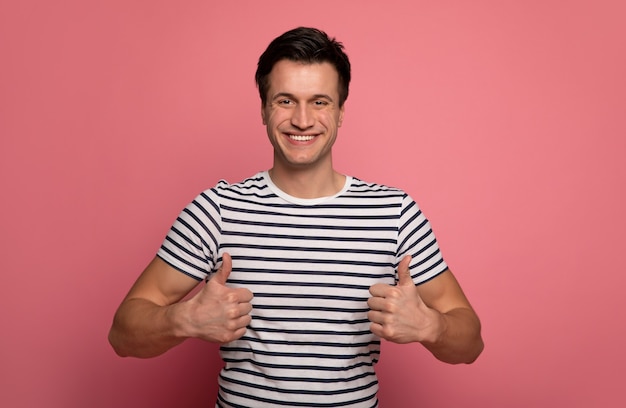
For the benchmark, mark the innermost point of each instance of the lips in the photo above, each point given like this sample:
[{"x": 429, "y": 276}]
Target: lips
[{"x": 301, "y": 138}]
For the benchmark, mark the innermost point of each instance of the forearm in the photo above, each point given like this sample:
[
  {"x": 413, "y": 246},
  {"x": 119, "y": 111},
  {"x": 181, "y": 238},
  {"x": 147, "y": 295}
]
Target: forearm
[
  {"x": 144, "y": 329},
  {"x": 459, "y": 340}
]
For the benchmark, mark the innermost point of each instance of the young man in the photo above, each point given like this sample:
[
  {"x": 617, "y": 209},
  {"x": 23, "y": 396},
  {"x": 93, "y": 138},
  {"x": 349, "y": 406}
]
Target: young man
[{"x": 306, "y": 268}]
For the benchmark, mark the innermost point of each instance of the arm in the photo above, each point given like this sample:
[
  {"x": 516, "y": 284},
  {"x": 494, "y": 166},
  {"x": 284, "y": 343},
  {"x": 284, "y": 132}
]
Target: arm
[
  {"x": 436, "y": 314},
  {"x": 152, "y": 318}
]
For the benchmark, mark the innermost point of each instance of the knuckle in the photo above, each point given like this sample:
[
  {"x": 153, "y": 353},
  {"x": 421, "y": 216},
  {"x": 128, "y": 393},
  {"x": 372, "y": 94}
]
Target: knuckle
[
  {"x": 388, "y": 332},
  {"x": 232, "y": 314}
]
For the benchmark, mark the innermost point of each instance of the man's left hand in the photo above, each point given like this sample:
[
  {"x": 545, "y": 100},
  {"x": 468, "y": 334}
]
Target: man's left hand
[{"x": 399, "y": 314}]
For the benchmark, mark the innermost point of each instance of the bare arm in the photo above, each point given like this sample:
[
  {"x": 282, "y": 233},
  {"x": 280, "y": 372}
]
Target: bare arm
[
  {"x": 459, "y": 339},
  {"x": 436, "y": 314},
  {"x": 152, "y": 318}
]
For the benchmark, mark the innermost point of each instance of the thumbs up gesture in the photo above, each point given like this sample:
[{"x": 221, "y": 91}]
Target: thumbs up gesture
[
  {"x": 399, "y": 314},
  {"x": 218, "y": 313}
]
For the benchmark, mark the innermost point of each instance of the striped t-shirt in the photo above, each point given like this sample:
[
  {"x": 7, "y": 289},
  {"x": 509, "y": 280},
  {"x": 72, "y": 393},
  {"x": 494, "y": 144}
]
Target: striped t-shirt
[{"x": 310, "y": 264}]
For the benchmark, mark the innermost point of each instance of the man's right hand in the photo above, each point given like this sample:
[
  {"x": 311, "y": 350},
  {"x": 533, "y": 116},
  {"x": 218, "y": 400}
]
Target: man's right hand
[{"x": 217, "y": 313}]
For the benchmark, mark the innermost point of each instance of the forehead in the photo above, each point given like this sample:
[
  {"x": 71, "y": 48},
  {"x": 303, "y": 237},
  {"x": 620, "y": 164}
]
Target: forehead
[{"x": 299, "y": 78}]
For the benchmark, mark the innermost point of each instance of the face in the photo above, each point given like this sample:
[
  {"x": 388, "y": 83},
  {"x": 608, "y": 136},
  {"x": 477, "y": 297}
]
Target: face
[{"x": 302, "y": 113}]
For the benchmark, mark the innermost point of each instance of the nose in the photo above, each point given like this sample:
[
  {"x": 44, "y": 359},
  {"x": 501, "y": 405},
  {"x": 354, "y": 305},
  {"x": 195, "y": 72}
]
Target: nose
[{"x": 302, "y": 117}]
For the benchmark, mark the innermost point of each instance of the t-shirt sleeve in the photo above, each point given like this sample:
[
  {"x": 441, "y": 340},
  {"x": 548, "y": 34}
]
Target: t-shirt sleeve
[
  {"x": 416, "y": 238},
  {"x": 192, "y": 242}
]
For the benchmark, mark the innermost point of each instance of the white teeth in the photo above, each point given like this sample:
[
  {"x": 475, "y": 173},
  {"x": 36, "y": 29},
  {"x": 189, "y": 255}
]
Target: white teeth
[{"x": 301, "y": 138}]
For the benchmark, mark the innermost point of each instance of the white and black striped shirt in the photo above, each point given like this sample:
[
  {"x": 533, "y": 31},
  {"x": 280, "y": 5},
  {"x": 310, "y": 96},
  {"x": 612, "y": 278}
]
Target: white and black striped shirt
[{"x": 310, "y": 264}]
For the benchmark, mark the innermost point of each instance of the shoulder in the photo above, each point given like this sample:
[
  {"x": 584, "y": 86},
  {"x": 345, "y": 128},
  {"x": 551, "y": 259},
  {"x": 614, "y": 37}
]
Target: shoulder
[
  {"x": 360, "y": 188},
  {"x": 252, "y": 186},
  {"x": 387, "y": 195}
]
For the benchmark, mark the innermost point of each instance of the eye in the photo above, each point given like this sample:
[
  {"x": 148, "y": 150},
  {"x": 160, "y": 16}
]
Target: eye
[
  {"x": 285, "y": 102},
  {"x": 320, "y": 103}
]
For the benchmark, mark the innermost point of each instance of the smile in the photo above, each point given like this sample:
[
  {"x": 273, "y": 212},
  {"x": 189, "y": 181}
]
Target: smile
[{"x": 301, "y": 138}]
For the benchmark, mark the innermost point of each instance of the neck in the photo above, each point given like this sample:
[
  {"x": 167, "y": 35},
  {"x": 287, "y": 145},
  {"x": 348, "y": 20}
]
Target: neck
[{"x": 307, "y": 183}]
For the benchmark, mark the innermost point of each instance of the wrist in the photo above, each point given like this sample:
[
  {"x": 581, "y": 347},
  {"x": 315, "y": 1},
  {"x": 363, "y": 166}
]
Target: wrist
[
  {"x": 439, "y": 329},
  {"x": 174, "y": 315}
]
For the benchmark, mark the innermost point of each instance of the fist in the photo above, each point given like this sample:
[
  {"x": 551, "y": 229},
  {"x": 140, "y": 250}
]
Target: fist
[
  {"x": 398, "y": 313},
  {"x": 218, "y": 313}
]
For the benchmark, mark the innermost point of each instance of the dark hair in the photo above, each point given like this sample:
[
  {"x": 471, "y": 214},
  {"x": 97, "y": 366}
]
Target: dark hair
[{"x": 306, "y": 45}]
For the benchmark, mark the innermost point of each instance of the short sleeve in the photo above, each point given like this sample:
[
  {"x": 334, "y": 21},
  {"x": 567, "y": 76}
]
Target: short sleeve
[
  {"x": 192, "y": 242},
  {"x": 416, "y": 238}
]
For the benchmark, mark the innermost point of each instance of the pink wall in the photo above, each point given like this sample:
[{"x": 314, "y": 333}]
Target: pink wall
[{"x": 506, "y": 120}]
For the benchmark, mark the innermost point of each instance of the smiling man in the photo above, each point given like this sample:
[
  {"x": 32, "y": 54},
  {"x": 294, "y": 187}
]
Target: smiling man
[
  {"x": 302, "y": 115},
  {"x": 306, "y": 268}
]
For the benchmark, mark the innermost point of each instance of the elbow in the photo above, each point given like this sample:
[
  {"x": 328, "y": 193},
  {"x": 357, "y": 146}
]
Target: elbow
[
  {"x": 463, "y": 351},
  {"x": 467, "y": 356},
  {"x": 475, "y": 352},
  {"x": 475, "y": 345},
  {"x": 474, "y": 349},
  {"x": 117, "y": 344},
  {"x": 464, "y": 346}
]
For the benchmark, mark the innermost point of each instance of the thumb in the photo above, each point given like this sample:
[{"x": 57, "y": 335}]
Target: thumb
[
  {"x": 222, "y": 274},
  {"x": 404, "y": 274}
]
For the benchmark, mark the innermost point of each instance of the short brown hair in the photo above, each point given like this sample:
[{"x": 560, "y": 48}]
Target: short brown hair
[{"x": 309, "y": 46}]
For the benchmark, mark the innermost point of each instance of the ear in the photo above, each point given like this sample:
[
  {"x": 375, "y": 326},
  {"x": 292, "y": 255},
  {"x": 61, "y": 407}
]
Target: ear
[
  {"x": 341, "y": 112},
  {"x": 263, "y": 115}
]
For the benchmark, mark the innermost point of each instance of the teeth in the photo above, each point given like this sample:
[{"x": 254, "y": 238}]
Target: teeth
[{"x": 300, "y": 138}]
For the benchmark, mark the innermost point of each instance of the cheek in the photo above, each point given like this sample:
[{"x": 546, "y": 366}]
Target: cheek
[
  {"x": 273, "y": 118},
  {"x": 330, "y": 120}
]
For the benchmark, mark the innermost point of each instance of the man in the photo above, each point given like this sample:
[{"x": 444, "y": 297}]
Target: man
[{"x": 306, "y": 268}]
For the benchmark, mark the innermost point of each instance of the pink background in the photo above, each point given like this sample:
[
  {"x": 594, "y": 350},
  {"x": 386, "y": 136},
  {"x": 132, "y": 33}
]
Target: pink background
[{"x": 504, "y": 119}]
